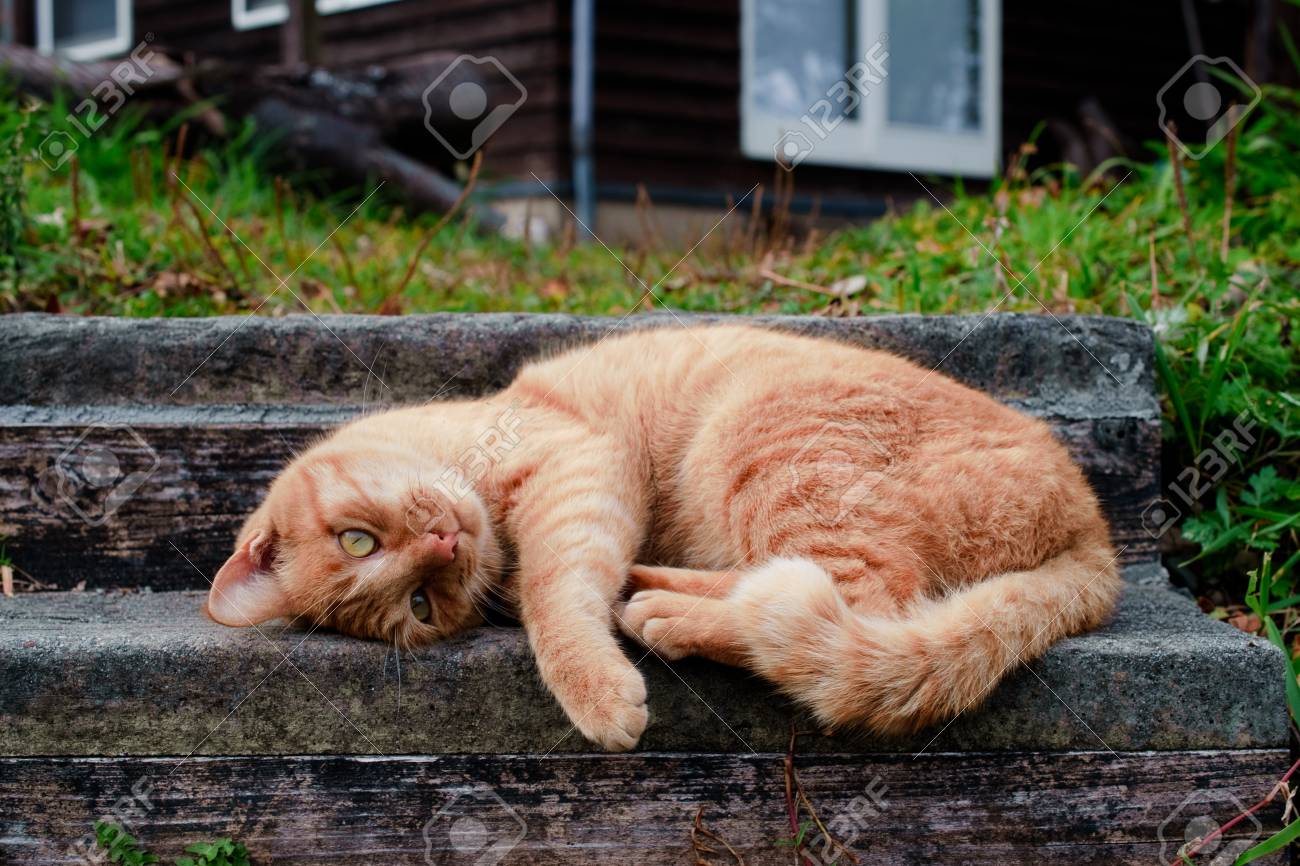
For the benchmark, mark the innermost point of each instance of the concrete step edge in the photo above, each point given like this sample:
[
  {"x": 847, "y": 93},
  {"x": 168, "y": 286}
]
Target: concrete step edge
[{"x": 146, "y": 674}]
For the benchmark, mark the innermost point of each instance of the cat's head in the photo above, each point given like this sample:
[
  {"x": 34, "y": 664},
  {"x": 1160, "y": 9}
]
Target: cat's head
[{"x": 363, "y": 540}]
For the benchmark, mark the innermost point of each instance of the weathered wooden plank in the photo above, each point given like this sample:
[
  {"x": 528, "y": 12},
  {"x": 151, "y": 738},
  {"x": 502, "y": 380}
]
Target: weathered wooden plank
[
  {"x": 1075, "y": 807},
  {"x": 193, "y": 478}
]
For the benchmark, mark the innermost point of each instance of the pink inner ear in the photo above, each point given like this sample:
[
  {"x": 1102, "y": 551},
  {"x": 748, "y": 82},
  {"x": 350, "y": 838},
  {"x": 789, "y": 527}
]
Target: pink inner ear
[{"x": 246, "y": 591}]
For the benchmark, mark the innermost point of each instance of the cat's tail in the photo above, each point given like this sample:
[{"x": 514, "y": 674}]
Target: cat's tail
[{"x": 898, "y": 675}]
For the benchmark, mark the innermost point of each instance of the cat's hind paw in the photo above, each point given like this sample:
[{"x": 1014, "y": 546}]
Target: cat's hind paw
[
  {"x": 710, "y": 584},
  {"x": 674, "y": 625}
]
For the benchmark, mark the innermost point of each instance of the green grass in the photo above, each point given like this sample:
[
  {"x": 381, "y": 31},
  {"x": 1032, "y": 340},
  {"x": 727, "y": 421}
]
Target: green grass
[
  {"x": 125, "y": 229},
  {"x": 120, "y": 847}
]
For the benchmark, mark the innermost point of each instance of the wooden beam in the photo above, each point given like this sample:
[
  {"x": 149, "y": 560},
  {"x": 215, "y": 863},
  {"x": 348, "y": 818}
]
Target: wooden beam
[
  {"x": 300, "y": 35},
  {"x": 1010, "y": 809}
]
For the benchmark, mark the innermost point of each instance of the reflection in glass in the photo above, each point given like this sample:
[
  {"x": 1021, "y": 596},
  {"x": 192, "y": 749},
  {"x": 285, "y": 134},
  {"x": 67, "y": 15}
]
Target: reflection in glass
[
  {"x": 934, "y": 64},
  {"x": 801, "y": 49}
]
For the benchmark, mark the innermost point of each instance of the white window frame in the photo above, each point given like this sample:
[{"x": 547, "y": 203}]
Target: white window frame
[
  {"x": 868, "y": 140},
  {"x": 119, "y": 43},
  {"x": 248, "y": 19}
]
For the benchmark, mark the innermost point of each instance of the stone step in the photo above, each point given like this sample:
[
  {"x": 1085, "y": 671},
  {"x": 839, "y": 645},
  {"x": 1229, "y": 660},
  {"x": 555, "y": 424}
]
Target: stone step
[
  {"x": 119, "y": 436},
  {"x": 148, "y": 674},
  {"x": 1107, "y": 750}
]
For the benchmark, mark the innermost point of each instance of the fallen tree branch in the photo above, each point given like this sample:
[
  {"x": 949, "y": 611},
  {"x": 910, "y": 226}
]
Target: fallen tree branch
[
  {"x": 358, "y": 153},
  {"x": 1281, "y": 787},
  {"x": 700, "y": 848}
]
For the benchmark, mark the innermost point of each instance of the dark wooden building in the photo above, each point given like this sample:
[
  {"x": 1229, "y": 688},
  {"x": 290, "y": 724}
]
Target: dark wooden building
[{"x": 696, "y": 99}]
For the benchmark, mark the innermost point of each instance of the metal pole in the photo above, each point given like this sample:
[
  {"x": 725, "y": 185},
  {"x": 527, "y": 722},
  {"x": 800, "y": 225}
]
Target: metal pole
[
  {"x": 584, "y": 50},
  {"x": 7, "y": 29}
]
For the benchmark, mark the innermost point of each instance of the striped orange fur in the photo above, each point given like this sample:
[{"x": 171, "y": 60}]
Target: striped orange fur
[{"x": 877, "y": 540}]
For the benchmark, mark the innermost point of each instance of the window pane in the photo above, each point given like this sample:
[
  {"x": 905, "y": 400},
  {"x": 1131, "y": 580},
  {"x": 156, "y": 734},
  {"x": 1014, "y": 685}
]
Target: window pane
[
  {"x": 254, "y": 5},
  {"x": 801, "y": 48},
  {"x": 934, "y": 63},
  {"x": 84, "y": 20}
]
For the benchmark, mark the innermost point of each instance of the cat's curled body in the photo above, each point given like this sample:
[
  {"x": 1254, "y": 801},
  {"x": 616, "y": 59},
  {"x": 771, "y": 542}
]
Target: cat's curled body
[{"x": 877, "y": 540}]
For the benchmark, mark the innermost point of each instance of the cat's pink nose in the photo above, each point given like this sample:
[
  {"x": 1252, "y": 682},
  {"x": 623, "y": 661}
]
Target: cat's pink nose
[{"x": 442, "y": 546}]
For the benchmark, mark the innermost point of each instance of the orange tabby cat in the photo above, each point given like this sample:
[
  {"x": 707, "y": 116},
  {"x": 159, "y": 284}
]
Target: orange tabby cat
[{"x": 877, "y": 540}]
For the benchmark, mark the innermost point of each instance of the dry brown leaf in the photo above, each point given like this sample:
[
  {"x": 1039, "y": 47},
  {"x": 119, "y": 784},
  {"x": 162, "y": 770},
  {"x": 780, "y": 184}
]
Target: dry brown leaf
[
  {"x": 555, "y": 290},
  {"x": 89, "y": 229},
  {"x": 175, "y": 283},
  {"x": 1001, "y": 199},
  {"x": 1247, "y": 622},
  {"x": 1031, "y": 197}
]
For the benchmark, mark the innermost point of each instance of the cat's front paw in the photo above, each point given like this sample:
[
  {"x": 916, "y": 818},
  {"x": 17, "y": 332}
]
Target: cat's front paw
[{"x": 611, "y": 710}]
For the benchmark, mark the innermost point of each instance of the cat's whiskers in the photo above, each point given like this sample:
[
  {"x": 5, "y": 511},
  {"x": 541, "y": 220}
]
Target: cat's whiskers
[{"x": 486, "y": 585}]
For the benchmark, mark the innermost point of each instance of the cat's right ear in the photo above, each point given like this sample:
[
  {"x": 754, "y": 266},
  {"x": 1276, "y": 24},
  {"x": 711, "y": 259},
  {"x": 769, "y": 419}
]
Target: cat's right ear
[{"x": 246, "y": 591}]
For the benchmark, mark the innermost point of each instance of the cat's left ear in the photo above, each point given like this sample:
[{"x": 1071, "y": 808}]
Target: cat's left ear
[{"x": 246, "y": 590}]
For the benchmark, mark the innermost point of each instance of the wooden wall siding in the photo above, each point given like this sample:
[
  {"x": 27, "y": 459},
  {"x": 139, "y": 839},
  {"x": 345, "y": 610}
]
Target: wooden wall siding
[
  {"x": 668, "y": 76},
  {"x": 668, "y": 79},
  {"x": 958, "y": 808},
  {"x": 1120, "y": 53},
  {"x": 524, "y": 36}
]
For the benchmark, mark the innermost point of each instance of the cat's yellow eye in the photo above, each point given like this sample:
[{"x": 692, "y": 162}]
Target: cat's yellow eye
[
  {"x": 420, "y": 606},
  {"x": 357, "y": 542}
]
